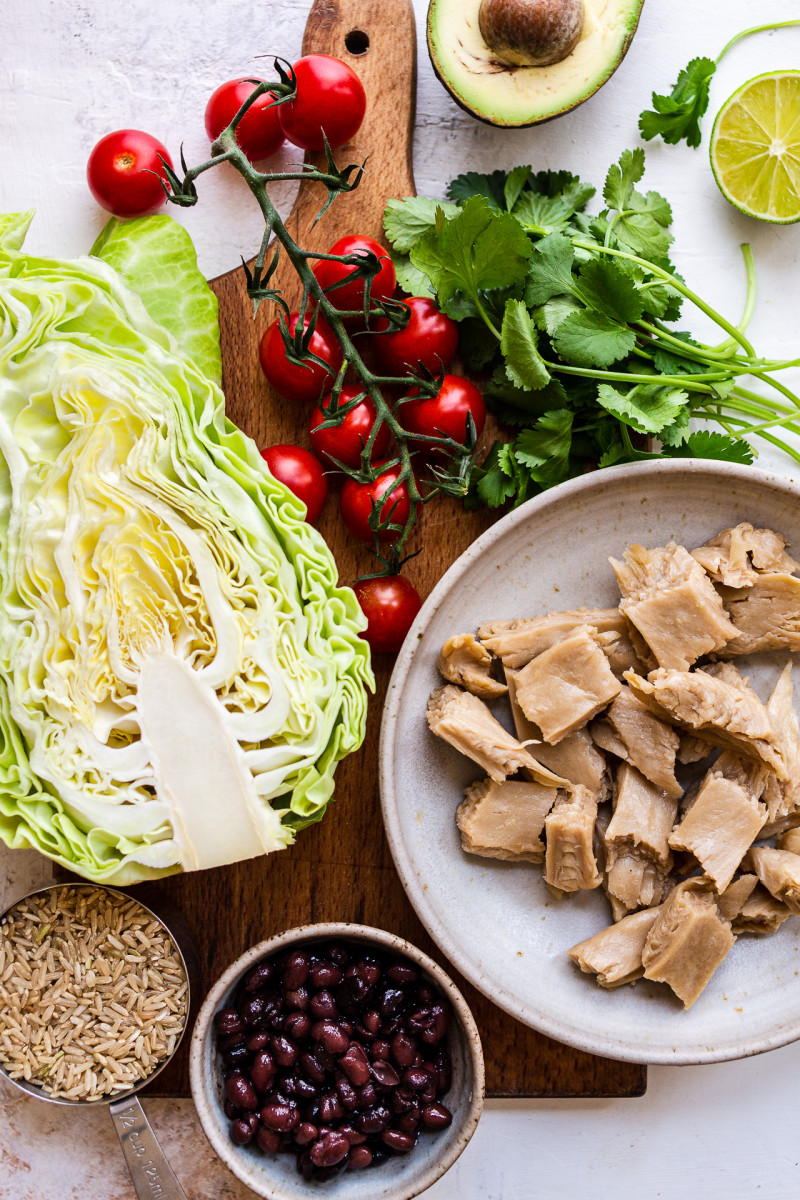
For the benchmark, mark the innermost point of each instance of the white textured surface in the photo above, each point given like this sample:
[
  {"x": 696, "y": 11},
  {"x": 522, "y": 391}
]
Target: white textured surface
[{"x": 71, "y": 70}]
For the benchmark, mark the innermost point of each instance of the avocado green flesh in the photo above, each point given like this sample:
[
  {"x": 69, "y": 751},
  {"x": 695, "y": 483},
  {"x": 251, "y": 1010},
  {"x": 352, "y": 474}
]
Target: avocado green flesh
[{"x": 516, "y": 96}]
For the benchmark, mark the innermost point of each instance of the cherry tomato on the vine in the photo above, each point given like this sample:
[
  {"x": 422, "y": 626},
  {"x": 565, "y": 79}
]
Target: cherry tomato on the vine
[
  {"x": 445, "y": 414},
  {"x": 430, "y": 338},
  {"x": 345, "y": 441},
  {"x": 119, "y": 173},
  {"x": 258, "y": 133},
  {"x": 351, "y": 295},
  {"x": 355, "y": 504},
  {"x": 302, "y": 473},
  {"x": 390, "y": 603},
  {"x": 304, "y": 383},
  {"x": 330, "y": 97}
]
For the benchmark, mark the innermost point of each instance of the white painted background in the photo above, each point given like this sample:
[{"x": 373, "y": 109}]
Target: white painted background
[{"x": 72, "y": 70}]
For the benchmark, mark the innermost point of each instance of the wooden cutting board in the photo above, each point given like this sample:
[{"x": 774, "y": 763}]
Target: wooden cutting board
[{"x": 341, "y": 869}]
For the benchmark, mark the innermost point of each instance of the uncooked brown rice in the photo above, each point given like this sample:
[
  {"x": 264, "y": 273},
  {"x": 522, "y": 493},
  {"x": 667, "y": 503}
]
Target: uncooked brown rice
[{"x": 93, "y": 993}]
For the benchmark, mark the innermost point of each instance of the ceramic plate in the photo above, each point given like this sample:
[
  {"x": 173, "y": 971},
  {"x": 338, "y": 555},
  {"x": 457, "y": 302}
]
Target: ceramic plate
[{"x": 496, "y": 921}]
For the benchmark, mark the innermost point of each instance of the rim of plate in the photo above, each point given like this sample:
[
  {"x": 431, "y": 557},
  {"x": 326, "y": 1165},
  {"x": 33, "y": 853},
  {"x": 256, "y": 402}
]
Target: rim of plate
[{"x": 529, "y": 1014}]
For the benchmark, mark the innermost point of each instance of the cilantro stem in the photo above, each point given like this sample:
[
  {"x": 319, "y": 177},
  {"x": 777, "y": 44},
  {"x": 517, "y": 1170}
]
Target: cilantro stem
[
  {"x": 674, "y": 282},
  {"x": 487, "y": 319},
  {"x": 689, "y": 383},
  {"x": 749, "y": 32}
]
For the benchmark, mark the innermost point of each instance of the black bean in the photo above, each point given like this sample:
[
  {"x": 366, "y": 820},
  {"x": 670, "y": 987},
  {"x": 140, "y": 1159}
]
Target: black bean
[
  {"x": 380, "y": 1049},
  {"x": 298, "y": 1088},
  {"x": 324, "y": 975},
  {"x": 360, "y": 1157},
  {"x": 297, "y": 998},
  {"x": 330, "y": 1108},
  {"x": 436, "y": 1116},
  {"x": 228, "y": 1021},
  {"x": 231, "y": 1110},
  {"x": 352, "y": 993},
  {"x": 257, "y": 1041},
  {"x": 305, "y": 1166},
  {"x": 262, "y": 1071},
  {"x": 281, "y": 1117},
  {"x": 444, "y": 1071},
  {"x": 230, "y": 1040},
  {"x": 374, "y": 1120},
  {"x": 295, "y": 972},
  {"x": 438, "y": 1028},
  {"x": 254, "y": 1009},
  {"x": 416, "y": 1079},
  {"x": 329, "y": 1150},
  {"x": 240, "y": 1092},
  {"x": 312, "y": 1068},
  {"x": 346, "y": 1093},
  {"x": 426, "y": 994},
  {"x": 236, "y": 1056},
  {"x": 355, "y": 1065},
  {"x": 338, "y": 954},
  {"x": 244, "y": 1129},
  {"x": 398, "y": 1143},
  {"x": 268, "y": 1140},
  {"x": 371, "y": 1021},
  {"x": 408, "y": 1123},
  {"x": 353, "y": 1135},
  {"x": 403, "y": 971},
  {"x": 306, "y": 1133},
  {"x": 331, "y": 1036},
  {"x": 322, "y": 1006},
  {"x": 367, "y": 1095},
  {"x": 384, "y": 1074},
  {"x": 403, "y": 1101},
  {"x": 298, "y": 1026},
  {"x": 284, "y": 1051},
  {"x": 392, "y": 1001},
  {"x": 257, "y": 976},
  {"x": 403, "y": 1049}
]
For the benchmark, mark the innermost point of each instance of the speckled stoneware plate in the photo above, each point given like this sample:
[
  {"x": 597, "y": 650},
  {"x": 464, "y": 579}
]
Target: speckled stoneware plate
[{"x": 495, "y": 921}]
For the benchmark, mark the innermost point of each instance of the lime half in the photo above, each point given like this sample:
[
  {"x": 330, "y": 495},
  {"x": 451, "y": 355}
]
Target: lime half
[{"x": 755, "y": 148}]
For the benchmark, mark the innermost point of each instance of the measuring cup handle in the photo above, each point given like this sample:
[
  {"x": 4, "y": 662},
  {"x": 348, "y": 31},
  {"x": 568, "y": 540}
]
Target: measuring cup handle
[{"x": 152, "y": 1176}]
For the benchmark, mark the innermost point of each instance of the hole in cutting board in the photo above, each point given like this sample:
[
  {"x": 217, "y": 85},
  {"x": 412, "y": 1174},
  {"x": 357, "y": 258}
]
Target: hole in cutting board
[{"x": 357, "y": 41}]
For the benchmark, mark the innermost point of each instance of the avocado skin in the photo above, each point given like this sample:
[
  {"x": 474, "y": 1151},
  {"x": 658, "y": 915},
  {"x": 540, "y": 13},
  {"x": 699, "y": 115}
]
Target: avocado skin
[{"x": 462, "y": 104}]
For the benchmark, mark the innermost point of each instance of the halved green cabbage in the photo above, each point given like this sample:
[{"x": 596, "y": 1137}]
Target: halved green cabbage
[{"x": 179, "y": 671}]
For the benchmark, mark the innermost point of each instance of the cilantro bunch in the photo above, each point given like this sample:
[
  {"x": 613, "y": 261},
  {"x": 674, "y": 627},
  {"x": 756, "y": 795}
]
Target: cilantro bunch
[{"x": 571, "y": 317}]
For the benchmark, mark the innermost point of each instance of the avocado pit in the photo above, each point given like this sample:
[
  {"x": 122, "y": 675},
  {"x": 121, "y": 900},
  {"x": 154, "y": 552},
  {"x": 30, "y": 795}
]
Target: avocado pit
[{"x": 531, "y": 33}]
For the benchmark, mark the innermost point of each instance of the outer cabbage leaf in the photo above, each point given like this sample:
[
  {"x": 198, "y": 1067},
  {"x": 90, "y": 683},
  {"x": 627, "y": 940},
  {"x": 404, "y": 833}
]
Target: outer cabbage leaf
[
  {"x": 158, "y": 260},
  {"x": 179, "y": 671}
]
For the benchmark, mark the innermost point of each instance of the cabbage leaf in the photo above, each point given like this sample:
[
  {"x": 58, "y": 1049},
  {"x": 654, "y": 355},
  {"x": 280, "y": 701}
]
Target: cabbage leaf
[{"x": 179, "y": 671}]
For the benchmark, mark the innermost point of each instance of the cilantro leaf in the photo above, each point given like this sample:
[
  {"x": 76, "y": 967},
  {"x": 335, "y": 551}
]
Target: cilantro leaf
[
  {"x": 677, "y": 116},
  {"x": 518, "y": 342},
  {"x": 409, "y": 278},
  {"x": 513, "y": 405},
  {"x": 514, "y": 185},
  {"x": 554, "y": 312},
  {"x": 478, "y": 250},
  {"x": 706, "y": 443},
  {"x": 591, "y": 339},
  {"x": 621, "y": 177},
  {"x": 647, "y": 408},
  {"x": 639, "y": 223},
  {"x": 473, "y": 183},
  {"x": 477, "y": 345},
  {"x": 607, "y": 288},
  {"x": 671, "y": 362},
  {"x": 540, "y": 211},
  {"x": 545, "y": 448},
  {"x": 676, "y": 433},
  {"x": 550, "y": 269},
  {"x": 405, "y": 221},
  {"x": 497, "y": 479}
]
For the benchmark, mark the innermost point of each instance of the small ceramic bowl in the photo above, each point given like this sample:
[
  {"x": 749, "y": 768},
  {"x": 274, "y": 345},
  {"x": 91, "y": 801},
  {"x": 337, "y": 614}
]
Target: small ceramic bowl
[{"x": 276, "y": 1176}]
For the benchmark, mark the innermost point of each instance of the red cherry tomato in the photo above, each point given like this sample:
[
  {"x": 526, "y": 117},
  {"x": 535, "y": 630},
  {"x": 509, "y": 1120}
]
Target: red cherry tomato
[
  {"x": 118, "y": 173},
  {"x": 430, "y": 337},
  {"x": 445, "y": 415},
  {"x": 302, "y": 473},
  {"x": 355, "y": 504},
  {"x": 344, "y": 442},
  {"x": 258, "y": 133},
  {"x": 300, "y": 383},
  {"x": 390, "y": 605},
  {"x": 330, "y": 97},
  {"x": 351, "y": 295}
]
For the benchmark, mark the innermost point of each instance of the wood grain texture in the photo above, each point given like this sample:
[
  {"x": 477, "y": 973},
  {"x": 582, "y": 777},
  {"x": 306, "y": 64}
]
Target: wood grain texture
[{"x": 341, "y": 870}]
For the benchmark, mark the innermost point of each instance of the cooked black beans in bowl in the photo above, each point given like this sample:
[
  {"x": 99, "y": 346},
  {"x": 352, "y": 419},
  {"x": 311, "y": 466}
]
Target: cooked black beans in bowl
[{"x": 335, "y": 1052}]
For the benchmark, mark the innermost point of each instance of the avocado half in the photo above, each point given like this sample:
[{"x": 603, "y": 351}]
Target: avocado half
[{"x": 513, "y": 96}]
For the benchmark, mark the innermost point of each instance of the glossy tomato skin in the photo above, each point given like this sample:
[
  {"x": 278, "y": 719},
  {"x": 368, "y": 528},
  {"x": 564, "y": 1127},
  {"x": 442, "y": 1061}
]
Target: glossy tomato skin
[
  {"x": 330, "y": 97},
  {"x": 390, "y": 604},
  {"x": 445, "y": 415},
  {"x": 430, "y": 338},
  {"x": 344, "y": 442},
  {"x": 303, "y": 384},
  {"x": 258, "y": 133},
  {"x": 351, "y": 295},
  {"x": 118, "y": 173},
  {"x": 302, "y": 473},
  {"x": 355, "y": 504}
]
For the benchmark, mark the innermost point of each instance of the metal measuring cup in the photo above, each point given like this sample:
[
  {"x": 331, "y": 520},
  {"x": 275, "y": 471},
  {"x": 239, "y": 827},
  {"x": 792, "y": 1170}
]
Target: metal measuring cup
[{"x": 151, "y": 1174}]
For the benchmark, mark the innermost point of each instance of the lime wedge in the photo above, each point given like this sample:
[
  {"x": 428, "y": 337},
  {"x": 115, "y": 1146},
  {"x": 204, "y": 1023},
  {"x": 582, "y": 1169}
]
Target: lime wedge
[{"x": 755, "y": 148}]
